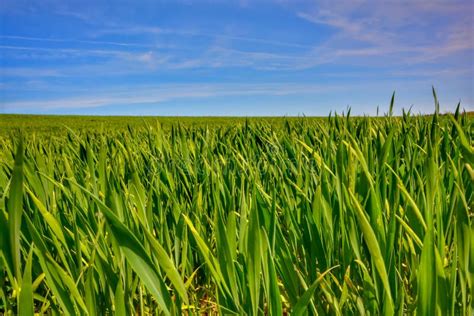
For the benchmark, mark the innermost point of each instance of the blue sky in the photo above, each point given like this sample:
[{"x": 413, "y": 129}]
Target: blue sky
[{"x": 234, "y": 57}]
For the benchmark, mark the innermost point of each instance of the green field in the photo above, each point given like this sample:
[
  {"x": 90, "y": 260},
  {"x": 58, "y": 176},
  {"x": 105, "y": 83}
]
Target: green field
[
  {"x": 308, "y": 216},
  {"x": 55, "y": 125}
]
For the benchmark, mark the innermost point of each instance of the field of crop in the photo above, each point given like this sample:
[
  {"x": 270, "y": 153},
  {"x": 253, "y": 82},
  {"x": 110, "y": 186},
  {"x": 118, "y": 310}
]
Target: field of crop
[{"x": 334, "y": 215}]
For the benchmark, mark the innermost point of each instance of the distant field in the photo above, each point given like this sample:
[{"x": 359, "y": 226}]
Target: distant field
[
  {"x": 56, "y": 124},
  {"x": 308, "y": 216}
]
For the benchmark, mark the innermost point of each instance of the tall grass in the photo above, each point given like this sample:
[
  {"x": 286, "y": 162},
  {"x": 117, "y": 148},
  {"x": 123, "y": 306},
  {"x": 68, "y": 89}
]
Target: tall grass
[{"x": 337, "y": 216}]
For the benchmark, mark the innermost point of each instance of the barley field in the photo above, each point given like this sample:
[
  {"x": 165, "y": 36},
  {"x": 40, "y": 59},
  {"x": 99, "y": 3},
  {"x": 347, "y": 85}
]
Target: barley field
[{"x": 303, "y": 216}]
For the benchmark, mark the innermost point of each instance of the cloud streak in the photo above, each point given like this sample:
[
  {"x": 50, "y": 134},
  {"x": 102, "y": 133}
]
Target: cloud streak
[
  {"x": 149, "y": 30},
  {"x": 77, "y": 41},
  {"x": 379, "y": 29},
  {"x": 161, "y": 93}
]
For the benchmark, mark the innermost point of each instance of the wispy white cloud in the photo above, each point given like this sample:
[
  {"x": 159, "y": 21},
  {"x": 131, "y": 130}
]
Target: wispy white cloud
[
  {"x": 149, "y": 30},
  {"x": 112, "y": 62},
  {"x": 78, "y": 41},
  {"x": 379, "y": 29},
  {"x": 77, "y": 51},
  {"x": 128, "y": 30},
  {"x": 445, "y": 72},
  {"x": 126, "y": 61},
  {"x": 150, "y": 98},
  {"x": 161, "y": 93}
]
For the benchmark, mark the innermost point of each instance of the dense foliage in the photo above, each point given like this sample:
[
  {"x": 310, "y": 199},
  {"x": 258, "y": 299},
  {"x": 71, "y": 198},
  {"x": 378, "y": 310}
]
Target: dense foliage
[{"x": 331, "y": 216}]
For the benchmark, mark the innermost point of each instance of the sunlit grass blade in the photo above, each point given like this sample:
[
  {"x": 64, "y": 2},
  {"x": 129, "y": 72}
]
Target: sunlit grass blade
[
  {"x": 25, "y": 301},
  {"x": 15, "y": 211},
  {"x": 302, "y": 304},
  {"x": 374, "y": 249}
]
